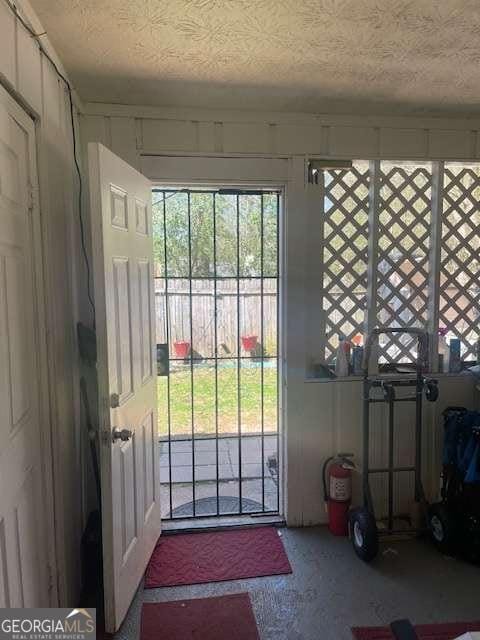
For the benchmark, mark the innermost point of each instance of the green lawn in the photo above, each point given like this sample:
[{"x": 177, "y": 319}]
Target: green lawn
[{"x": 204, "y": 400}]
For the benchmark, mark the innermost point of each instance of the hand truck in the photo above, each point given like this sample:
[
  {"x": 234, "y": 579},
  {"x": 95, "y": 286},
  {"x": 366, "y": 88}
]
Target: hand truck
[{"x": 364, "y": 532}]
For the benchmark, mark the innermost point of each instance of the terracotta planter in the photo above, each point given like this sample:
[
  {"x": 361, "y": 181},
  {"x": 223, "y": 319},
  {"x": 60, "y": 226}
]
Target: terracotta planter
[
  {"x": 182, "y": 349},
  {"x": 249, "y": 343}
]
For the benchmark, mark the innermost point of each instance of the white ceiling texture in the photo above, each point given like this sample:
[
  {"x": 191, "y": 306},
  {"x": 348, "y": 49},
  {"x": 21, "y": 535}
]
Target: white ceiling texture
[{"x": 342, "y": 56}]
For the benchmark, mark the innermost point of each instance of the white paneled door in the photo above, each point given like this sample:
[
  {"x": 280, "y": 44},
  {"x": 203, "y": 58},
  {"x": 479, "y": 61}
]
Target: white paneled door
[
  {"x": 24, "y": 580},
  {"x": 123, "y": 278}
]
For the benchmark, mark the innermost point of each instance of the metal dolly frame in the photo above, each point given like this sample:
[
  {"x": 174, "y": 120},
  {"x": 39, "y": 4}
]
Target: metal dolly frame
[{"x": 363, "y": 527}]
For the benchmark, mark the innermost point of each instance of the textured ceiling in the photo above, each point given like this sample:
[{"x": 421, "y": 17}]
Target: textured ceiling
[{"x": 350, "y": 56}]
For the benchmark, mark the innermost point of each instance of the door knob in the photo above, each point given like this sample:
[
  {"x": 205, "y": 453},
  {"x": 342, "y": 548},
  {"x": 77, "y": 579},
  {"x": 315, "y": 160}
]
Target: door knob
[{"x": 121, "y": 434}]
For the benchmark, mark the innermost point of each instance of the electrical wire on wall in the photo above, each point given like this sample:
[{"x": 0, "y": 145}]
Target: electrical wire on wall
[{"x": 36, "y": 37}]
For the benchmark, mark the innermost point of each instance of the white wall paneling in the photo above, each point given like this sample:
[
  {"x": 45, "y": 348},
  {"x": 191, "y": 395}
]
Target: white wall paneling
[
  {"x": 228, "y": 170},
  {"x": 8, "y": 67},
  {"x": 299, "y": 139},
  {"x": 123, "y": 138},
  {"x": 30, "y": 77},
  {"x": 176, "y": 136},
  {"x": 321, "y": 418},
  {"x": 160, "y": 130},
  {"x": 451, "y": 144},
  {"x": 246, "y": 137}
]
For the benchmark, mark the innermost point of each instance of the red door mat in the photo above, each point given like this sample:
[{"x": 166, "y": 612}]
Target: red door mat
[
  {"x": 447, "y": 631},
  {"x": 225, "y": 618},
  {"x": 193, "y": 558}
]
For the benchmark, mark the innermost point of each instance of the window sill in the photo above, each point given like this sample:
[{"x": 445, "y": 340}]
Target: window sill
[{"x": 387, "y": 375}]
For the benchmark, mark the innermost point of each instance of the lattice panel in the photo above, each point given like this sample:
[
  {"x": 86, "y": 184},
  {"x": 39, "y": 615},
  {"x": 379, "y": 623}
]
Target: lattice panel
[
  {"x": 345, "y": 253},
  {"x": 460, "y": 264},
  {"x": 403, "y": 254}
]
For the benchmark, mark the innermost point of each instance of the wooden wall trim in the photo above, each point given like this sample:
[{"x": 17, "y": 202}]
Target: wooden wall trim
[{"x": 316, "y": 136}]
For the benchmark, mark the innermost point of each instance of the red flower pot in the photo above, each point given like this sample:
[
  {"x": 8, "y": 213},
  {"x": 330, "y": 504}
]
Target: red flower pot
[
  {"x": 249, "y": 342},
  {"x": 182, "y": 349}
]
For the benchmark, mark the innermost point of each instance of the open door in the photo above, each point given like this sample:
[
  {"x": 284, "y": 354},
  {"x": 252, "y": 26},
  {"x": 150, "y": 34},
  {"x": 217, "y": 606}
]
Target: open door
[{"x": 124, "y": 302}]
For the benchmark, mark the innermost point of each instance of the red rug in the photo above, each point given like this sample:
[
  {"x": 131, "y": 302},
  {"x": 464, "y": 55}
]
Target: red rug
[
  {"x": 225, "y": 618},
  {"x": 193, "y": 558},
  {"x": 447, "y": 631}
]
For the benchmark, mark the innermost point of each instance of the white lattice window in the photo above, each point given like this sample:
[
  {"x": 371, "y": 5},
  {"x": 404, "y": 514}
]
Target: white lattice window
[
  {"x": 460, "y": 255},
  {"x": 404, "y": 225},
  {"x": 418, "y": 235},
  {"x": 345, "y": 232}
]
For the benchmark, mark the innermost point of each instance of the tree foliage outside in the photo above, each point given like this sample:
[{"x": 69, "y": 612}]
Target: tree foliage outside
[{"x": 228, "y": 227}]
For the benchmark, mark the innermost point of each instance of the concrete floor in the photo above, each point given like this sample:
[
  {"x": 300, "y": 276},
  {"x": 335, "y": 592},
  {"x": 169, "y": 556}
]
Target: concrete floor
[{"x": 330, "y": 590}]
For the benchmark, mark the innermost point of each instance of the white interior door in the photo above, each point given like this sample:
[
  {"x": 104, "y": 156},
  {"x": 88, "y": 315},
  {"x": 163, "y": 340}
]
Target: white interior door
[
  {"x": 24, "y": 580},
  {"x": 123, "y": 277}
]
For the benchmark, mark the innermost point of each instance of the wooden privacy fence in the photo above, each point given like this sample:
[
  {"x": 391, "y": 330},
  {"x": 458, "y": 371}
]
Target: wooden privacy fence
[{"x": 240, "y": 306}]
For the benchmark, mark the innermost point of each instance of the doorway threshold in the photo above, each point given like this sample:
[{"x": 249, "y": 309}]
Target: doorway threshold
[{"x": 218, "y": 523}]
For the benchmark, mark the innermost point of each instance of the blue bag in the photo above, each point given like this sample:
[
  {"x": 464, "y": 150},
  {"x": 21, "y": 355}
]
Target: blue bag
[{"x": 462, "y": 444}]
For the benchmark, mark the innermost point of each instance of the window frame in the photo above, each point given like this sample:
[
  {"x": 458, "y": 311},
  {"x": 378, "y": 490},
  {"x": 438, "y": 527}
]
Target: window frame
[{"x": 432, "y": 321}]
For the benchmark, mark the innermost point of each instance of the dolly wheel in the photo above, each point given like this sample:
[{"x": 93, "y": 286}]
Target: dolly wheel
[
  {"x": 440, "y": 523},
  {"x": 364, "y": 534}
]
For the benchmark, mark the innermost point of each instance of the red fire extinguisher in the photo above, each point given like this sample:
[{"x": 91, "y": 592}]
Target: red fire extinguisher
[{"x": 337, "y": 489}]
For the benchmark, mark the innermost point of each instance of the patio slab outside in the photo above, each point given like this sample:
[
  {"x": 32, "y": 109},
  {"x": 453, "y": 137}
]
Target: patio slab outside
[
  {"x": 206, "y": 472},
  {"x": 205, "y": 458}
]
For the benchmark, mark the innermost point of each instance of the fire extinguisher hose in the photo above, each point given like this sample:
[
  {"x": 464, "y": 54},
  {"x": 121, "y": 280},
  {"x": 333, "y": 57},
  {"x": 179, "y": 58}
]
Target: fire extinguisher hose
[{"x": 324, "y": 476}]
